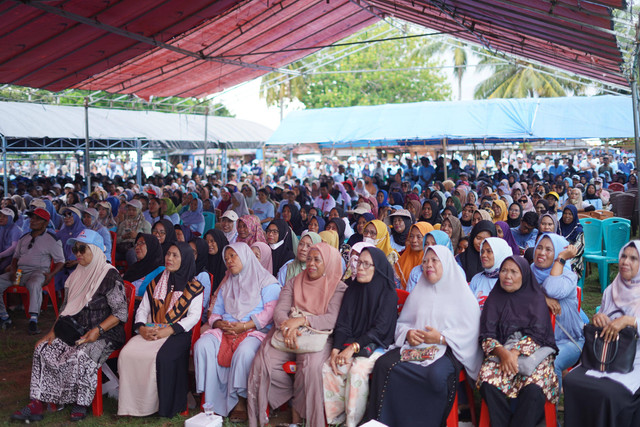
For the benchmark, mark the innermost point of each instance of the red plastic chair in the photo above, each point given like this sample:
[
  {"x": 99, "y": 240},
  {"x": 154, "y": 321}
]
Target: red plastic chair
[
  {"x": 49, "y": 289},
  {"x": 114, "y": 237},
  {"x": 452, "y": 419},
  {"x": 402, "y": 297},
  {"x": 130, "y": 291}
]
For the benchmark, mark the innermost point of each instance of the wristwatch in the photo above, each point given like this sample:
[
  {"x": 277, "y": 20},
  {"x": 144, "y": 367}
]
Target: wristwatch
[
  {"x": 562, "y": 261},
  {"x": 100, "y": 330}
]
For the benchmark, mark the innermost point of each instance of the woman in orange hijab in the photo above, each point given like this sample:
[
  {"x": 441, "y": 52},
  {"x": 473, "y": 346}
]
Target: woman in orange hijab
[{"x": 413, "y": 253}]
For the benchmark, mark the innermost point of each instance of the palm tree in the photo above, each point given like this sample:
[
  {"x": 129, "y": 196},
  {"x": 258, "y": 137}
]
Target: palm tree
[
  {"x": 521, "y": 79},
  {"x": 458, "y": 51}
]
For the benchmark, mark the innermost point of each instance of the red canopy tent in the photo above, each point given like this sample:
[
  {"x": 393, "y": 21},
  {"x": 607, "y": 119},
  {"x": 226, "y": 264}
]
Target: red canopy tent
[{"x": 199, "y": 47}]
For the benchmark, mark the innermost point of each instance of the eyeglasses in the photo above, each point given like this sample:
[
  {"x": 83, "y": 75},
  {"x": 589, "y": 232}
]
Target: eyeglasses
[
  {"x": 68, "y": 214},
  {"x": 272, "y": 231},
  {"x": 364, "y": 264},
  {"x": 368, "y": 233},
  {"x": 79, "y": 249},
  {"x": 141, "y": 243},
  {"x": 159, "y": 232}
]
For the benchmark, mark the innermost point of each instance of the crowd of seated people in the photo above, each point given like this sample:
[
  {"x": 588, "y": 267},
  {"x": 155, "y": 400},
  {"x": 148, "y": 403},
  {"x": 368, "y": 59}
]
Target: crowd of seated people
[{"x": 487, "y": 263}]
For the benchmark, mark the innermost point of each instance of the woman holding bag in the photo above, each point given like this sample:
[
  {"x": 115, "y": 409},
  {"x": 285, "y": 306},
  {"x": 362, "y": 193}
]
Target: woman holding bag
[
  {"x": 317, "y": 291},
  {"x": 597, "y": 399},
  {"x": 241, "y": 316}
]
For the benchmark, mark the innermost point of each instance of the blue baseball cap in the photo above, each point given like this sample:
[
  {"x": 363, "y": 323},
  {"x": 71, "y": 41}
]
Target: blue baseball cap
[{"x": 89, "y": 237}]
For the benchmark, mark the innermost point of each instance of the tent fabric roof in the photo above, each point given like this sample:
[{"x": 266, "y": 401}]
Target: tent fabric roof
[
  {"x": 24, "y": 120},
  {"x": 498, "y": 119},
  {"x": 198, "y": 47}
]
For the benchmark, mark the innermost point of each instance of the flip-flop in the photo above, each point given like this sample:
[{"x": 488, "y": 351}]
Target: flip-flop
[{"x": 238, "y": 416}]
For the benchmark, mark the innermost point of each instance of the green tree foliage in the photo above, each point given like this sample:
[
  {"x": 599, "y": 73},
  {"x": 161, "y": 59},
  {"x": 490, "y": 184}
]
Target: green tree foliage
[
  {"x": 455, "y": 49},
  {"x": 100, "y": 99},
  {"x": 520, "y": 79},
  {"x": 333, "y": 86}
]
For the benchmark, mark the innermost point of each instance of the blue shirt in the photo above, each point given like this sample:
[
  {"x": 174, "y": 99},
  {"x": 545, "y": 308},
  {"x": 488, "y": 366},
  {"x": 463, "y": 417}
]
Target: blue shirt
[{"x": 524, "y": 241}]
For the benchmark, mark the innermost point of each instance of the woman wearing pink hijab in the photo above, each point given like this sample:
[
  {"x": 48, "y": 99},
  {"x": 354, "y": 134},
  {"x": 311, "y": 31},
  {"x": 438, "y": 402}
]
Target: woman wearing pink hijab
[
  {"x": 317, "y": 292},
  {"x": 250, "y": 230}
]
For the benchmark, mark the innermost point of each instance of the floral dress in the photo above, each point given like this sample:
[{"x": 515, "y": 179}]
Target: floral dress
[{"x": 543, "y": 376}]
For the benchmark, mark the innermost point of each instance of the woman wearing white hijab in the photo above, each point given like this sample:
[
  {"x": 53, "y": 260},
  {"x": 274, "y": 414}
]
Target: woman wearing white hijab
[
  {"x": 594, "y": 398},
  {"x": 439, "y": 314},
  {"x": 241, "y": 317},
  {"x": 66, "y": 372},
  {"x": 493, "y": 251}
]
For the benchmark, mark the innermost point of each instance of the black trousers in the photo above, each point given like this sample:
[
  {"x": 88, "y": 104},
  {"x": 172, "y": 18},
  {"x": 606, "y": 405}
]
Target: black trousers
[{"x": 529, "y": 406}]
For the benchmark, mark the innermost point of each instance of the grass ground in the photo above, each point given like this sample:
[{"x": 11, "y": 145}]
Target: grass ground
[{"x": 16, "y": 348}]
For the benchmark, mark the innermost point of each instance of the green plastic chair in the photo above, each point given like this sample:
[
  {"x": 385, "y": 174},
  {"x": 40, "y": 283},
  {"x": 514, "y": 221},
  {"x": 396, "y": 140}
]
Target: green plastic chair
[
  {"x": 209, "y": 221},
  {"x": 605, "y": 224},
  {"x": 592, "y": 229},
  {"x": 616, "y": 234}
]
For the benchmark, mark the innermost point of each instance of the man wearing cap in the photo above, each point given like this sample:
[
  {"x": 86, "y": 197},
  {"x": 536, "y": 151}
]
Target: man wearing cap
[
  {"x": 33, "y": 255},
  {"x": 625, "y": 166}
]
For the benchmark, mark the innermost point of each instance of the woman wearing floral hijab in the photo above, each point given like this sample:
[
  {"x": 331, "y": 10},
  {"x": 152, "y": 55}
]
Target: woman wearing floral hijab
[{"x": 250, "y": 230}]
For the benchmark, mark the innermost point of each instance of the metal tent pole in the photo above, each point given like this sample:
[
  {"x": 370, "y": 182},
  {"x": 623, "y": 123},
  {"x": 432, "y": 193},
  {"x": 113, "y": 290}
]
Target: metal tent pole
[
  {"x": 139, "y": 168},
  {"x": 87, "y": 162},
  {"x": 444, "y": 148},
  {"x": 206, "y": 132},
  {"x": 4, "y": 166}
]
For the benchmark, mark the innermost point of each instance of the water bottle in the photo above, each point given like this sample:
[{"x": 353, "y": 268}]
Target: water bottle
[{"x": 18, "y": 277}]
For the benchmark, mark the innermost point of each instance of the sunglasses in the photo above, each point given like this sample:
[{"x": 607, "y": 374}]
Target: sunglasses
[
  {"x": 68, "y": 214},
  {"x": 79, "y": 249}
]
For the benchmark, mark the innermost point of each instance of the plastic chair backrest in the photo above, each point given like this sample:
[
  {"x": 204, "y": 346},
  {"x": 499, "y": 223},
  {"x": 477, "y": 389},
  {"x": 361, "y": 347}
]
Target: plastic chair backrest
[
  {"x": 114, "y": 237},
  {"x": 130, "y": 291},
  {"x": 616, "y": 186},
  {"x": 209, "y": 221},
  {"x": 592, "y": 229},
  {"x": 616, "y": 232},
  {"x": 402, "y": 297}
]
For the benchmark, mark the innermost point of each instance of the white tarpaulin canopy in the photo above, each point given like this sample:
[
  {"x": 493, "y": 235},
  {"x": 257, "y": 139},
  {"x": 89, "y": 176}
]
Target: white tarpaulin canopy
[{"x": 36, "y": 121}]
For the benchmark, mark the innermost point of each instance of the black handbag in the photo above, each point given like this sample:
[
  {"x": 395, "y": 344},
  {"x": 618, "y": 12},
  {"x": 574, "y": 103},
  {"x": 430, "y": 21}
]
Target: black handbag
[
  {"x": 68, "y": 330},
  {"x": 615, "y": 356}
]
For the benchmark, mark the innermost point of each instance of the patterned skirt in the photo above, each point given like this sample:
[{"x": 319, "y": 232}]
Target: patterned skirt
[{"x": 67, "y": 375}]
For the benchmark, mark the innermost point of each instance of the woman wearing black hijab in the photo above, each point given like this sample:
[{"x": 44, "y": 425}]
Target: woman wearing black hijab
[
  {"x": 430, "y": 212},
  {"x": 165, "y": 233},
  {"x": 367, "y": 320},
  {"x": 469, "y": 260},
  {"x": 173, "y": 303},
  {"x": 281, "y": 243},
  {"x": 215, "y": 264},
  {"x": 150, "y": 262},
  {"x": 516, "y": 316},
  {"x": 291, "y": 214},
  {"x": 338, "y": 226},
  {"x": 512, "y": 220},
  {"x": 201, "y": 252}
]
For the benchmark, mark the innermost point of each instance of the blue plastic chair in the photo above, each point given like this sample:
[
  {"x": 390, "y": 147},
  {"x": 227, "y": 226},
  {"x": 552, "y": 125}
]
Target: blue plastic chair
[
  {"x": 209, "y": 221},
  {"x": 592, "y": 229},
  {"x": 616, "y": 234}
]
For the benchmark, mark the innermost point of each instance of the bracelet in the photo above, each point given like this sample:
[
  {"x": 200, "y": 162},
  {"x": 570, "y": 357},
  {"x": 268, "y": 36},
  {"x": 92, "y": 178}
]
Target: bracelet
[
  {"x": 441, "y": 339},
  {"x": 356, "y": 347}
]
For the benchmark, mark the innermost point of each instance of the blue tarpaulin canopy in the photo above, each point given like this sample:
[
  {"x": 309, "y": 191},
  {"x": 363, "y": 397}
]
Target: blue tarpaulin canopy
[{"x": 460, "y": 121}]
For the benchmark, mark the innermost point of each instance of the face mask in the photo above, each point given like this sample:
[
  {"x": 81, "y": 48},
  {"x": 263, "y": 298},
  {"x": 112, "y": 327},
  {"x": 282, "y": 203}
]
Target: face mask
[{"x": 369, "y": 240}]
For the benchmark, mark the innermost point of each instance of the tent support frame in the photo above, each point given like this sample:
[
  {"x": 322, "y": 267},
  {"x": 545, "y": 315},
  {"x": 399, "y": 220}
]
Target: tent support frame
[
  {"x": 87, "y": 160},
  {"x": 4, "y": 165}
]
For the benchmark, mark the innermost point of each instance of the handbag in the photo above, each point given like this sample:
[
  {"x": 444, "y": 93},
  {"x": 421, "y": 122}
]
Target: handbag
[
  {"x": 310, "y": 340},
  {"x": 68, "y": 330},
  {"x": 615, "y": 356}
]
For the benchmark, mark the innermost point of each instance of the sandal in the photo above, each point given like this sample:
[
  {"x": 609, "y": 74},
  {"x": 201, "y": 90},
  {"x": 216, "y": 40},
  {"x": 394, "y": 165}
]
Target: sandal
[
  {"x": 238, "y": 416},
  {"x": 78, "y": 413}
]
